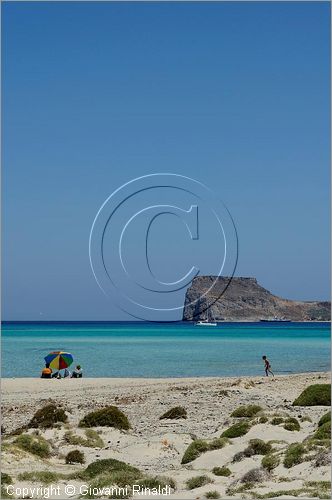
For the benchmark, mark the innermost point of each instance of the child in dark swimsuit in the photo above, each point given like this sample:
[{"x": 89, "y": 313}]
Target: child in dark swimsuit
[{"x": 267, "y": 366}]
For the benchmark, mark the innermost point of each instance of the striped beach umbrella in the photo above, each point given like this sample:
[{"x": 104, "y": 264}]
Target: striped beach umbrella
[{"x": 59, "y": 360}]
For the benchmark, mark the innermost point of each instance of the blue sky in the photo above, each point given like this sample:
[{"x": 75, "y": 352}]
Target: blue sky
[{"x": 235, "y": 95}]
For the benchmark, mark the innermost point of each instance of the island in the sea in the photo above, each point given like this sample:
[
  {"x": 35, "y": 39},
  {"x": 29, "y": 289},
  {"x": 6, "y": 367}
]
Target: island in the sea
[{"x": 243, "y": 299}]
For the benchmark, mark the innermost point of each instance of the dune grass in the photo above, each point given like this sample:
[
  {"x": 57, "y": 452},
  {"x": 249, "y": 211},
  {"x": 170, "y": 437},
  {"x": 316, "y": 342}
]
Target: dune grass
[
  {"x": 257, "y": 447},
  {"x": 315, "y": 395},
  {"x": 212, "y": 494},
  {"x": 75, "y": 457},
  {"x": 323, "y": 431},
  {"x": 174, "y": 413},
  {"x": 47, "y": 417},
  {"x": 270, "y": 462},
  {"x": 107, "y": 465},
  {"x": 246, "y": 411},
  {"x": 221, "y": 471},
  {"x": 6, "y": 478},
  {"x": 236, "y": 430},
  {"x": 291, "y": 424},
  {"x": 42, "y": 476},
  {"x": 127, "y": 477},
  {"x": 4, "y": 494},
  {"x": 156, "y": 482},
  {"x": 197, "y": 482},
  {"x": 253, "y": 476},
  {"x": 120, "y": 478},
  {"x": 92, "y": 439},
  {"x": 110, "y": 416},
  {"x": 199, "y": 446},
  {"x": 294, "y": 455},
  {"x": 36, "y": 445},
  {"x": 325, "y": 418},
  {"x": 277, "y": 420}
]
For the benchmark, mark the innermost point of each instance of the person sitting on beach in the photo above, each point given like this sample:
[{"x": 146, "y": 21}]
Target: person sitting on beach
[
  {"x": 78, "y": 372},
  {"x": 46, "y": 372},
  {"x": 267, "y": 366}
]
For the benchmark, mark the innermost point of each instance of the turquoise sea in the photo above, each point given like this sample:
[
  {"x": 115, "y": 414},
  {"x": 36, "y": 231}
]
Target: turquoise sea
[{"x": 167, "y": 350}]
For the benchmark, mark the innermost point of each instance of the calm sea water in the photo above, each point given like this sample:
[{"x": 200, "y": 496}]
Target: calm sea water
[{"x": 167, "y": 350}]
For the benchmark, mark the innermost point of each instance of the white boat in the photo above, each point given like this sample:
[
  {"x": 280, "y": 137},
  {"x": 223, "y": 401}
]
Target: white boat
[{"x": 207, "y": 321}]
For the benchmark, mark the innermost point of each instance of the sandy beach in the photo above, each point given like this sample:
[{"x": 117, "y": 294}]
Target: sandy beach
[{"x": 156, "y": 447}]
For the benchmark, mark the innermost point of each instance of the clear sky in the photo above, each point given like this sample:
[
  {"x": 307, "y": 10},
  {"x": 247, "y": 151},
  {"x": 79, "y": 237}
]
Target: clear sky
[{"x": 235, "y": 95}]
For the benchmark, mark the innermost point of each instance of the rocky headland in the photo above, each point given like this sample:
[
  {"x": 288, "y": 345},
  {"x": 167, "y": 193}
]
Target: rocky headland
[{"x": 243, "y": 299}]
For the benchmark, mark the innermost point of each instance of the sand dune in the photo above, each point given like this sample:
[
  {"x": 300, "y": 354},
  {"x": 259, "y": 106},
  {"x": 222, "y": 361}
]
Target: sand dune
[{"x": 156, "y": 446}]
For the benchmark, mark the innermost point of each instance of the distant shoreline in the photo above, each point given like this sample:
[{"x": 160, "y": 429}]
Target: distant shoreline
[
  {"x": 158, "y": 380},
  {"x": 183, "y": 322}
]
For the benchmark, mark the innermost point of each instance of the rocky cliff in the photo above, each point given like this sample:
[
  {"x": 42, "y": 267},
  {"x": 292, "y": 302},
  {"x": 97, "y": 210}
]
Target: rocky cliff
[{"x": 245, "y": 300}]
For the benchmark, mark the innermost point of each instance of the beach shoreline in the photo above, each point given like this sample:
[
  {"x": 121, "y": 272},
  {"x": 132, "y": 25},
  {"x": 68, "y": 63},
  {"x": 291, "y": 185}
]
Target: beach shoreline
[{"x": 18, "y": 393}]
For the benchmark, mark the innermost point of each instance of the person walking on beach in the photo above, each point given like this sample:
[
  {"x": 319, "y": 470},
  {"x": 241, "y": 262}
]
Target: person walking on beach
[{"x": 267, "y": 366}]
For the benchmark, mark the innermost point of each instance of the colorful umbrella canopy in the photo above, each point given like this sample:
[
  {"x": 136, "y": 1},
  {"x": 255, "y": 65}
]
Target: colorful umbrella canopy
[{"x": 59, "y": 360}]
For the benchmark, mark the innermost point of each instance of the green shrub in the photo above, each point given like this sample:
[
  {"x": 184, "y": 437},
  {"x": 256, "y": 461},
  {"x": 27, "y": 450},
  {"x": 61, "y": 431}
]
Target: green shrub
[
  {"x": 127, "y": 476},
  {"x": 323, "y": 431},
  {"x": 292, "y": 493},
  {"x": 4, "y": 493},
  {"x": 119, "y": 496},
  {"x": 92, "y": 440},
  {"x": 277, "y": 420},
  {"x": 294, "y": 455},
  {"x": 120, "y": 478},
  {"x": 6, "y": 478},
  {"x": 217, "y": 443},
  {"x": 236, "y": 430},
  {"x": 46, "y": 417},
  {"x": 18, "y": 431},
  {"x": 199, "y": 446},
  {"x": 212, "y": 494},
  {"x": 175, "y": 413},
  {"x": 221, "y": 471},
  {"x": 110, "y": 416},
  {"x": 256, "y": 475},
  {"x": 322, "y": 458},
  {"x": 75, "y": 457},
  {"x": 156, "y": 482},
  {"x": 325, "y": 418},
  {"x": 41, "y": 476},
  {"x": 108, "y": 465},
  {"x": 312, "y": 444},
  {"x": 270, "y": 462},
  {"x": 240, "y": 455},
  {"x": 94, "y": 437},
  {"x": 263, "y": 419},
  {"x": 324, "y": 485},
  {"x": 315, "y": 395},
  {"x": 246, "y": 411},
  {"x": 232, "y": 491},
  {"x": 257, "y": 447},
  {"x": 194, "y": 450},
  {"x": 291, "y": 424},
  {"x": 197, "y": 482},
  {"x": 36, "y": 445}
]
